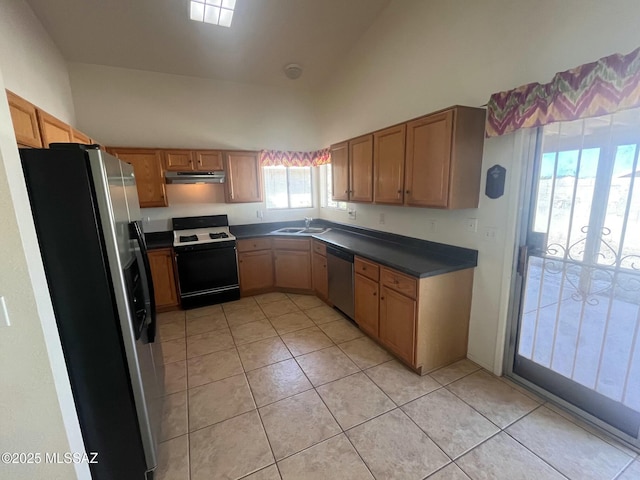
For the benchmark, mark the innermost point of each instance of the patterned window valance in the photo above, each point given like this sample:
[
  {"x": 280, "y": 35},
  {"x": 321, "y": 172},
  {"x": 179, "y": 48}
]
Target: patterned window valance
[
  {"x": 599, "y": 88},
  {"x": 274, "y": 158}
]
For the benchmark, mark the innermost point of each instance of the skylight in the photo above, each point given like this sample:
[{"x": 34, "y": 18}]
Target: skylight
[{"x": 216, "y": 12}]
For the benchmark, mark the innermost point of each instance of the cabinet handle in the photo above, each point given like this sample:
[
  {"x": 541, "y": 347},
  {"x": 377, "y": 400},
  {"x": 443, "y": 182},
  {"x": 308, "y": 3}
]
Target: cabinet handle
[
  {"x": 364, "y": 268},
  {"x": 407, "y": 191},
  {"x": 254, "y": 245},
  {"x": 240, "y": 261},
  {"x": 346, "y": 191},
  {"x": 381, "y": 298},
  {"x": 375, "y": 293}
]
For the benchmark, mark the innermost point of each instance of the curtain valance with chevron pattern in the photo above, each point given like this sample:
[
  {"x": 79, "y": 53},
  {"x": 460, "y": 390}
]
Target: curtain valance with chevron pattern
[
  {"x": 275, "y": 158},
  {"x": 599, "y": 88}
]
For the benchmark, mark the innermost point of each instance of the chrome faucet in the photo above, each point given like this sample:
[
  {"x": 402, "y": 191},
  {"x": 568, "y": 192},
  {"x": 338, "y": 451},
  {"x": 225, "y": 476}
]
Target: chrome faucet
[{"x": 307, "y": 222}]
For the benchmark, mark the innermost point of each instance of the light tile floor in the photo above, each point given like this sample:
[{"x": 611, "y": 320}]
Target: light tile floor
[{"x": 281, "y": 386}]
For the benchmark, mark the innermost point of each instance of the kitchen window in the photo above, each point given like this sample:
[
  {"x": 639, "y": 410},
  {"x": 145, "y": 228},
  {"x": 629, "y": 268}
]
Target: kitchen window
[
  {"x": 329, "y": 203},
  {"x": 288, "y": 187}
]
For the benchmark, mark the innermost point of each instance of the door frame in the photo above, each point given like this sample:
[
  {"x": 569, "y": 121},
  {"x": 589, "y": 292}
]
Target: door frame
[{"x": 530, "y": 156}]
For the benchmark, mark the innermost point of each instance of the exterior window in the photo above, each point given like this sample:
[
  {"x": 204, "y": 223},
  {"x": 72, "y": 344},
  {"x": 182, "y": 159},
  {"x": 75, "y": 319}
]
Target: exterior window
[
  {"x": 329, "y": 202},
  {"x": 288, "y": 187}
]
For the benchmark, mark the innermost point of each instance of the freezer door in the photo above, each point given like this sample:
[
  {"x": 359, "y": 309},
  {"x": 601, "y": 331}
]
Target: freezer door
[{"x": 114, "y": 186}]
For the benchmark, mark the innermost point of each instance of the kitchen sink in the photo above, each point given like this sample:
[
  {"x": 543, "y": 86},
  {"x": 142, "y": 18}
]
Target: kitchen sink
[
  {"x": 290, "y": 230},
  {"x": 301, "y": 230}
]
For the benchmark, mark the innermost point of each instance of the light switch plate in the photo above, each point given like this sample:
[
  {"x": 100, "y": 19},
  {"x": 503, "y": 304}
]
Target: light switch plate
[{"x": 4, "y": 314}]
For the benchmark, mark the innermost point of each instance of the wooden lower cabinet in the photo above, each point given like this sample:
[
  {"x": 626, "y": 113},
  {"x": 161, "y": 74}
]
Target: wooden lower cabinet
[
  {"x": 292, "y": 269},
  {"x": 320, "y": 275},
  {"x": 398, "y": 323},
  {"x": 164, "y": 278},
  {"x": 366, "y": 304},
  {"x": 424, "y": 321},
  {"x": 256, "y": 271}
]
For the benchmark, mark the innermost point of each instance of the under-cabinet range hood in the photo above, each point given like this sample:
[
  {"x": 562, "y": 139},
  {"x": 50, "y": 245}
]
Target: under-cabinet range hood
[{"x": 195, "y": 177}]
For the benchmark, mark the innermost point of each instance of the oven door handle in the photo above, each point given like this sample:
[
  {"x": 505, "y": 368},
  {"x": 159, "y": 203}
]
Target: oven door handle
[{"x": 136, "y": 232}]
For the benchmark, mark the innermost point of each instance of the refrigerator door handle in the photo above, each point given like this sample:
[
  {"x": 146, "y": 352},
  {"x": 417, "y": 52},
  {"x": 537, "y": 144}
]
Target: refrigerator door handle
[{"x": 136, "y": 232}]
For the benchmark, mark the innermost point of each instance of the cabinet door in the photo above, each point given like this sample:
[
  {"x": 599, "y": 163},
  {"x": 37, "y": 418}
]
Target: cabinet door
[
  {"x": 25, "y": 121},
  {"x": 79, "y": 137},
  {"x": 428, "y": 160},
  {"x": 164, "y": 279},
  {"x": 340, "y": 171},
  {"x": 147, "y": 167},
  {"x": 244, "y": 179},
  {"x": 208, "y": 160},
  {"x": 293, "y": 269},
  {"x": 53, "y": 130},
  {"x": 178, "y": 160},
  {"x": 388, "y": 165},
  {"x": 366, "y": 304},
  {"x": 256, "y": 271},
  {"x": 397, "y": 323},
  {"x": 361, "y": 169},
  {"x": 320, "y": 275}
]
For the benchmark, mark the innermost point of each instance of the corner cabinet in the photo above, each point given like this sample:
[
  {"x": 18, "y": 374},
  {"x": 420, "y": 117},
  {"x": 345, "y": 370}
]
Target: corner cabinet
[
  {"x": 352, "y": 170},
  {"x": 164, "y": 278},
  {"x": 244, "y": 179},
  {"x": 149, "y": 173},
  {"x": 292, "y": 263}
]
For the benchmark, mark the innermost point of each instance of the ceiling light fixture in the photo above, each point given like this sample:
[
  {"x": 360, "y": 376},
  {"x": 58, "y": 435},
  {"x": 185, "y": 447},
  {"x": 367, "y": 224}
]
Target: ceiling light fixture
[
  {"x": 216, "y": 12},
  {"x": 293, "y": 71}
]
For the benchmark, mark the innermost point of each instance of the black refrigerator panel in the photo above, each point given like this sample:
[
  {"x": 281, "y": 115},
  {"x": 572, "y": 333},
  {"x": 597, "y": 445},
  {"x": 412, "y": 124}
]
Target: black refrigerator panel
[{"x": 63, "y": 203}]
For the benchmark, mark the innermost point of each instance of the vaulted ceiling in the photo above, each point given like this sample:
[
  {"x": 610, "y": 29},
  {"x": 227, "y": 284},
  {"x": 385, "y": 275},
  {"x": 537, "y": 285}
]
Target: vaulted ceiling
[{"x": 157, "y": 35}]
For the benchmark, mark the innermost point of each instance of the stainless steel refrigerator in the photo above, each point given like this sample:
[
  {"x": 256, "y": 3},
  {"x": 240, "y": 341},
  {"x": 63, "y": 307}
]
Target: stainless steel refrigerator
[{"x": 87, "y": 217}]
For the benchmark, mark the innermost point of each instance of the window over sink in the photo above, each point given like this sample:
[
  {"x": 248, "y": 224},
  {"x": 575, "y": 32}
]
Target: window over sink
[{"x": 288, "y": 187}]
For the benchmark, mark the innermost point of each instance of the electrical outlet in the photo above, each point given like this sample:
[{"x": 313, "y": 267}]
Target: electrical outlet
[
  {"x": 4, "y": 314},
  {"x": 490, "y": 233},
  {"x": 259, "y": 214},
  {"x": 381, "y": 220},
  {"x": 352, "y": 213},
  {"x": 471, "y": 225}
]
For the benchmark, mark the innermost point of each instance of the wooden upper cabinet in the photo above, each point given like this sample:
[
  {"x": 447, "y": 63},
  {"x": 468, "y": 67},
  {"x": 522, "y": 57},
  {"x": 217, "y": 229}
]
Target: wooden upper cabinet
[
  {"x": 444, "y": 159},
  {"x": 428, "y": 160},
  {"x": 244, "y": 179},
  {"x": 53, "y": 130},
  {"x": 388, "y": 165},
  {"x": 361, "y": 169},
  {"x": 147, "y": 168},
  {"x": 340, "y": 171},
  {"x": 208, "y": 160},
  {"x": 178, "y": 160},
  {"x": 25, "y": 121},
  {"x": 79, "y": 137}
]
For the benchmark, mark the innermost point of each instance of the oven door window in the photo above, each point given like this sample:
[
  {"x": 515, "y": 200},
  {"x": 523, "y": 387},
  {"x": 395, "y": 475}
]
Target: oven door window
[{"x": 206, "y": 270}]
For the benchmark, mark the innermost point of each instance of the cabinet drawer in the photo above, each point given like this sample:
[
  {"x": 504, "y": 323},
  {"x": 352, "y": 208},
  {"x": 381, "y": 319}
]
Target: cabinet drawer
[
  {"x": 399, "y": 282},
  {"x": 320, "y": 248},
  {"x": 291, "y": 244},
  {"x": 251, "y": 244},
  {"x": 368, "y": 269}
]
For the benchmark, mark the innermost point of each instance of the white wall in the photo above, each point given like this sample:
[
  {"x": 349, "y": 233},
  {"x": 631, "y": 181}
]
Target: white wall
[
  {"x": 145, "y": 109},
  {"x": 38, "y": 412},
  {"x": 31, "y": 63},
  {"x": 421, "y": 56},
  {"x": 192, "y": 200}
]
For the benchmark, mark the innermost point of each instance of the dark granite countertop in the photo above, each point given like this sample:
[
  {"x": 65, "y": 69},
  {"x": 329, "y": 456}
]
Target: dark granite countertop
[
  {"x": 415, "y": 257},
  {"x": 159, "y": 240}
]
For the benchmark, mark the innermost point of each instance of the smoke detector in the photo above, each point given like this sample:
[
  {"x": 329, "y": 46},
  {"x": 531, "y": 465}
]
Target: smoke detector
[{"x": 293, "y": 71}]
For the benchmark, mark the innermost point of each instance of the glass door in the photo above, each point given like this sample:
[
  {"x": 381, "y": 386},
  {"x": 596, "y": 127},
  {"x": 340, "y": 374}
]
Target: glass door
[{"x": 579, "y": 307}]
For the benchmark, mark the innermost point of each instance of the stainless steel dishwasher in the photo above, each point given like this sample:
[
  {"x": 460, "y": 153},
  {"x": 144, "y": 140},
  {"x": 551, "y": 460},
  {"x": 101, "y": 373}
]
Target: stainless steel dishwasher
[{"x": 340, "y": 270}]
